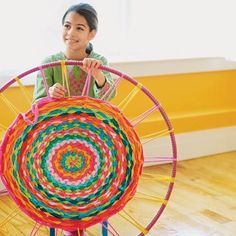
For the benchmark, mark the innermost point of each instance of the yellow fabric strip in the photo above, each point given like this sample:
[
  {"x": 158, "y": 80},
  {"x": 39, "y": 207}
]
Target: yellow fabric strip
[
  {"x": 9, "y": 104},
  {"x": 133, "y": 221},
  {"x": 9, "y": 217},
  {"x": 59, "y": 232},
  {"x": 150, "y": 197},
  {"x": 162, "y": 201},
  {"x": 62, "y": 73},
  {"x": 90, "y": 233},
  {"x": 23, "y": 90},
  {"x": 161, "y": 132},
  {"x": 157, "y": 177},
  {"x": 155, "y": 135},
  {"x": 139, "y": 85},
  {"x": 65, "y": 77},
  {"x": 3, "y": 127},
  {"x": 123, "y": 104}
]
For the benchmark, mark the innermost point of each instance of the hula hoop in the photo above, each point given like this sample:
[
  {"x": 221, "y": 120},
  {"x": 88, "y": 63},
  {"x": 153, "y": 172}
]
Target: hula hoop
[{"x": 30, "y": 117}]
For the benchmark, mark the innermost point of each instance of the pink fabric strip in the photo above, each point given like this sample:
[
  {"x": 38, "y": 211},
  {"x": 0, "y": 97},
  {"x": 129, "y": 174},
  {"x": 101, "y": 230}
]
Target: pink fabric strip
[
  {"x": 113, "y": 228},
  {"x": 158, "y": 159},
  {"x": 112, "y": 88},
  {"x": 142, "y": 116},
  {"x": 35, "y": 111},
  {"x": 44, "y": 80},
  {"x": 35, "y": 229},
  {"x": 3, "y": 192},
  {"x": 86, "y": 88},
  {"x": 116, "y": 234}
]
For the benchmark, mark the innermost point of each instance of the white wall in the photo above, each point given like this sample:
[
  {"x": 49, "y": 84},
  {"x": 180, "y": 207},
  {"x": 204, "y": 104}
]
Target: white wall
[{"x": 129, "y": 30}]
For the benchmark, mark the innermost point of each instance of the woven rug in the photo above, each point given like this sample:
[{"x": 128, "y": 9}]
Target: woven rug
[{"x": 75, "y": 166}]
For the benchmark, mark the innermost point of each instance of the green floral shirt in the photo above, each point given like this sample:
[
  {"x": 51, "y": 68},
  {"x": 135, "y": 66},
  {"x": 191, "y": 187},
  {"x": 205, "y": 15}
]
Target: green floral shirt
[{"x": 76, "y": 78}]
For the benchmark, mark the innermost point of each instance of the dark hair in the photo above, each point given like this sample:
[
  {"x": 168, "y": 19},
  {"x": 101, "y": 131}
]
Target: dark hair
[{"x": 87, "y": 11}]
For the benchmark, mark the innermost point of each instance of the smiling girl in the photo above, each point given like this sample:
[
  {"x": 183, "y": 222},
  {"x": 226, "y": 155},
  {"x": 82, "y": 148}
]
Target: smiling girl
[{"x": 79, "y": 28}]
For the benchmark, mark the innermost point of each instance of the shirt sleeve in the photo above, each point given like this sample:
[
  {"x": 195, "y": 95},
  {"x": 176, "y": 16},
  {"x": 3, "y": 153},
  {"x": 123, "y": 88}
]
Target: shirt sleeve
[{"x": 99, "y": 92}]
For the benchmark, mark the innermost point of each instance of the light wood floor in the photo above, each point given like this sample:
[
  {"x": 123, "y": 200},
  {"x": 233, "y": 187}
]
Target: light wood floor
[{"x": 203, "y": 202}]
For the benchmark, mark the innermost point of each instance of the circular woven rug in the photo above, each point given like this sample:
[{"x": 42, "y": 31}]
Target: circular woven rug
[{"x": 77, "y": 165}]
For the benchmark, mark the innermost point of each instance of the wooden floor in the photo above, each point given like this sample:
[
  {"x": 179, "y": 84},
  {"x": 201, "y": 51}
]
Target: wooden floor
[{"x": 203, "y": 202}]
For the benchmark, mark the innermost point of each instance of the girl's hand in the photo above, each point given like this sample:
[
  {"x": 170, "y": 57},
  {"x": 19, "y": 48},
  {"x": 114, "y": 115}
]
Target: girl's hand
[
  {"x": 57, "y": 91},
  {"x": 93, "y": 65}
]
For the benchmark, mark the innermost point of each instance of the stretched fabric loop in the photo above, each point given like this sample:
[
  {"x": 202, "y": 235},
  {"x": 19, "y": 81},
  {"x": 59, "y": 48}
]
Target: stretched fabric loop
[
  {"x": 123, "y": 104},
  {"x": 3, "y": 127},
  {"x": 35, "y": 229},
  {"x": 9, "y": 104},
  {"x": 11, "y": 215},
  {"x": 65, "y": 77},
  {"x": 124, "y": 214},
  {"x": 22, "y": 88},
  {"x": 35, "y": 111},
  {"x": 109, "y": 92},
  {"x": 85, "y": 91},
  {"x": 105, "y": 229},
  {"x": 137, "y": 120},
  {"x": 44, "y": 80},
  {"x": 150, "y": 197},
  {"x": 150, "y": 176},
  {"x": 153, "y": 136}
]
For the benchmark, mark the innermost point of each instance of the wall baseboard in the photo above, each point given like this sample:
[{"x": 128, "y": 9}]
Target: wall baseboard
[{"x": 195, "y": 144}]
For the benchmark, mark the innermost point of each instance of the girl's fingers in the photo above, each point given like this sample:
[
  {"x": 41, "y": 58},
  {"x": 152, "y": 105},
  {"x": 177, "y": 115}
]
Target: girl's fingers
[
  {"x": 56, "y": 95},
  {"x": 57, "y": 91},
  {"x": 89, "y": 63},
  {"x": 84, "y": 66},
  {"x": 85, "y": 63},
  {"x": 95, "y": 64},
  {"x": 59, "y": 87},
  {"x": 98, "y": 63}
]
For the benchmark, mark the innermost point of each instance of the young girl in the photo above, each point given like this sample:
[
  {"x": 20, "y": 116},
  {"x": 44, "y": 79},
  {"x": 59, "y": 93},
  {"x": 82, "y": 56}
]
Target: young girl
[{"x": 79, "y": 28}]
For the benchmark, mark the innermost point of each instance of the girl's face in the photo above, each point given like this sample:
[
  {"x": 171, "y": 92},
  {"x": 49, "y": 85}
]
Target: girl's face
[{"x": 76, "y": 32}]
